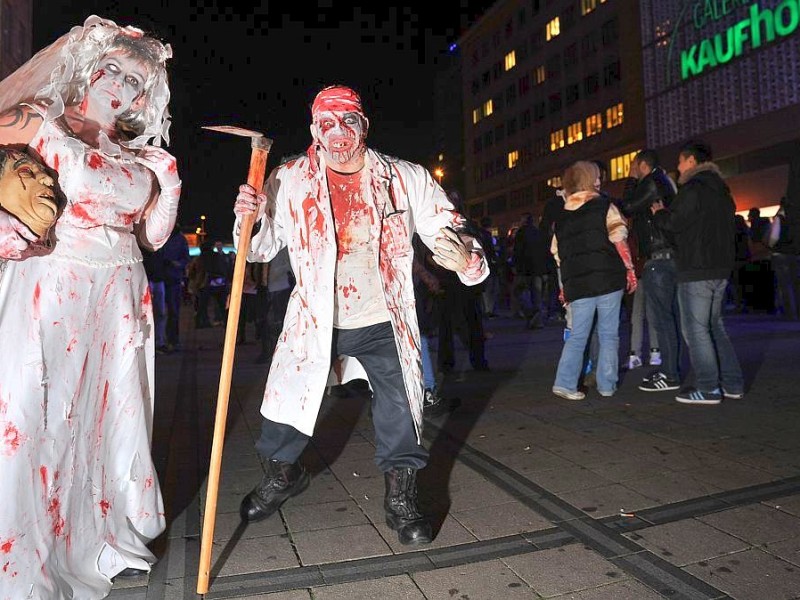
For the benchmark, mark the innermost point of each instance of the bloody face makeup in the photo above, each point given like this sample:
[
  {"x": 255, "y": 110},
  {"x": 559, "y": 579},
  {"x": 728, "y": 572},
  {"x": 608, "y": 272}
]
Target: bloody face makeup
[
  {"x": 339, "y": 127},
  {"x": 341, "y": 136},
  {"x": 118, "y": 81},
  {"x": 27, "y": 192}
]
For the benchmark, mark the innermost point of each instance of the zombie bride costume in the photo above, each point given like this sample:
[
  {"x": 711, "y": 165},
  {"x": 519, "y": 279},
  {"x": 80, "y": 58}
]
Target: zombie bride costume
[{"x": 81, "y": 496}]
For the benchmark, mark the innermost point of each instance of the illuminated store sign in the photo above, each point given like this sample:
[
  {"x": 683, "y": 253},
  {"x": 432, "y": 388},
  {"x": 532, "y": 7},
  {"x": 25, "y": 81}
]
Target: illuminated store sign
[{"x": 761, "y": 27}]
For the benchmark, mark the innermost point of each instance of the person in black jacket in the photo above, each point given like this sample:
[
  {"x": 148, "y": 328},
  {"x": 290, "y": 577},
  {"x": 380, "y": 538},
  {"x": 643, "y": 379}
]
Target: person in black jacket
[
  {"x": 648, "y": 184},
  {"x": 702, "y": 220}
]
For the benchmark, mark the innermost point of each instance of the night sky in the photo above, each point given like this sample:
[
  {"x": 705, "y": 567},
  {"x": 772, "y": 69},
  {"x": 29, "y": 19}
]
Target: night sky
[{"x": 259, "y": 65}]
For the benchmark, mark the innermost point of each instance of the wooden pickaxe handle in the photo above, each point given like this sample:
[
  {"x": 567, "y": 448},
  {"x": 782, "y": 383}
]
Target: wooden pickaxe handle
[{"x": 255, "y": 177}]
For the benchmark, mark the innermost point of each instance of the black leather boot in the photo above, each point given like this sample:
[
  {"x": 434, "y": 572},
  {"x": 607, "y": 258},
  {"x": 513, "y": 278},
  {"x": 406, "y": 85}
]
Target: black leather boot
[
  {"x": 281, "y": 481},
  {"x": 400, "y": 504}
]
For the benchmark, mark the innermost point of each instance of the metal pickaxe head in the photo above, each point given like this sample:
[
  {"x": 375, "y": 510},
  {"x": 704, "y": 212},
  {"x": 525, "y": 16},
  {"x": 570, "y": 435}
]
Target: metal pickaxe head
[{"x": 257, "y": 138}]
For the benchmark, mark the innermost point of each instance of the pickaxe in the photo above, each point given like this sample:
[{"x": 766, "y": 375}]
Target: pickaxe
[{"x": 260, "y": 147}]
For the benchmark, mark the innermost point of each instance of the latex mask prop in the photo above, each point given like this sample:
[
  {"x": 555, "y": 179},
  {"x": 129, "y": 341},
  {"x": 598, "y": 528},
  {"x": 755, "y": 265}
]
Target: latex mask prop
[{"x": 28, "y": 191}]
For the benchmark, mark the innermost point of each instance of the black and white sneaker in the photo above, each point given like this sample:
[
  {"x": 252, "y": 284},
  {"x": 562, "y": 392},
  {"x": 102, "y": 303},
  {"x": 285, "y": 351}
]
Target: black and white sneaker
[
  {"x": 658, "y": 382},
  {"x": 434, "y": 405},
  {"x": 732, "y": 395},
  {"x": 693, "y": 396}
]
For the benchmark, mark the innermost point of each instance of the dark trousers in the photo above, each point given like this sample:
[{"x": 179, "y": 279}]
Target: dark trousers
[
  {"x": 460, "y": 313},
  {"x": 270, "y": 313},
  {"x": 174, "y": 297},
  {"x": 395, "y": 436},
  {"x": 661, "y": 296}
]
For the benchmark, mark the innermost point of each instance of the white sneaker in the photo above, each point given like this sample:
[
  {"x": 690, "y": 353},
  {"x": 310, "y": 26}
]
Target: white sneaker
[
  {"x": 568, "y": 394},
  {"x": 634, "y": 362},
  {"x": 655, "y": 357}
]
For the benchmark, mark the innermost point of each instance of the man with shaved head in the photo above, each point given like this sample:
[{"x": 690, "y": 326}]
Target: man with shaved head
[{"x": 347, "y": 215}]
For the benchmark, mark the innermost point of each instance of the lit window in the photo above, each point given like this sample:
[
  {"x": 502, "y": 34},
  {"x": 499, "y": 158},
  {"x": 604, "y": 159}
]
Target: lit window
[
  {"x": 594, "y": 124},
  {"x": 486, "y": 109},
  {"x": 553, "y": 29},
  {"x": 554, "y": 182},
  {"x": 540, "y": 74},
  {"x": 621, "y": 165},
  {"x": 588, "y": 6},
  {"x": 575, "y": 133},
  {"x": 510, "y": 60},
  {"x": 614, "y": 116},
  {"x": 556, "y": 140},
  {"x": 513, "y": 158}
]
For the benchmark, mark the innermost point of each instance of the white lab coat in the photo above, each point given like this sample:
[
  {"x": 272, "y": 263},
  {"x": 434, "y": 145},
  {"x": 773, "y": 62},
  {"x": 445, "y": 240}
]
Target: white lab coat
[{"x": 405, "y": 199}]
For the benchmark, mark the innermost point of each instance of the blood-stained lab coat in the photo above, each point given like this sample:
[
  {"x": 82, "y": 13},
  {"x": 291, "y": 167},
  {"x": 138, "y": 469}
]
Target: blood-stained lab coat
[{"x": 403, "y": 198}]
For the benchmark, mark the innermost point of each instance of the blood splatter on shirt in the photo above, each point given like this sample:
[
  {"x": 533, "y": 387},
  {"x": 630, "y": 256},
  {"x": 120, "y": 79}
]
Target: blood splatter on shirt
[{"x": 359, "y": 300}]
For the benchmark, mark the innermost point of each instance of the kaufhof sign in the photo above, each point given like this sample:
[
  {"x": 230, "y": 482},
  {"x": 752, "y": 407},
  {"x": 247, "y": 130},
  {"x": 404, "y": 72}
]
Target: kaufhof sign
[{"x": 759, "y": 26}]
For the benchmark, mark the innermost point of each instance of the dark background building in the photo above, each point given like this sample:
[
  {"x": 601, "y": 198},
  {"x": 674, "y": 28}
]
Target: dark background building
[{"x": 546, "y": 83}]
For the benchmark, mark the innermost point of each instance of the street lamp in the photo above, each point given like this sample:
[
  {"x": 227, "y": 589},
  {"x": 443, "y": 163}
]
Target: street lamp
[{"x": 439, "y": 173}]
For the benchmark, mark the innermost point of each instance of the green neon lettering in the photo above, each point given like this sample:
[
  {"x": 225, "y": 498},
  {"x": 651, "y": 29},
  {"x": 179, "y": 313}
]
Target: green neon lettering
[
  {"x": 706, "y": 56},
  {"x": 689, "y": 62},
  {"x": 740, "y": 35},
  {"x": 724, "y": 55},
  {"x": 758, "y": 18},
  {"x": 784, "y": 27},
  {"x": 697, "y": 16},
  {"x": 762, "y": 27}
]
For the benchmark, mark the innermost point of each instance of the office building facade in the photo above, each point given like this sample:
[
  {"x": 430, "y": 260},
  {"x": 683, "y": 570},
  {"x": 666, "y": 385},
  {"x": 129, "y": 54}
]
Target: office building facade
[{"x": 546, "y": 83}]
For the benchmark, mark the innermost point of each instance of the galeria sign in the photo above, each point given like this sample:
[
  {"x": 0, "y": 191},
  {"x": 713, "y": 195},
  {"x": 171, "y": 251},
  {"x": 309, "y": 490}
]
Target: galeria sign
[{"x": 760, "y": 28}]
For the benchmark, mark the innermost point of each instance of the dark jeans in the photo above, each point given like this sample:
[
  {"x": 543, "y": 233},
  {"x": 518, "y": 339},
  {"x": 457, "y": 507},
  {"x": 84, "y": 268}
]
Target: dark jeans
[
  {"x": 534, "y": 285},
  {"x": 460, "y": 312},
  {"x": 395, "y": 435},
  {"x": 787, "y": 277},
  {"x": 661, "y": 289},
  {"x": 713, "y": 358},
  {"x": 208, "y": 294}
]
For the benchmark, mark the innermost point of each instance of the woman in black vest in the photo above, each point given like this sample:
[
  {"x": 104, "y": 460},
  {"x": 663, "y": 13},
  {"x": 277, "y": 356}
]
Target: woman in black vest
[{"x": 591, "y": 249}]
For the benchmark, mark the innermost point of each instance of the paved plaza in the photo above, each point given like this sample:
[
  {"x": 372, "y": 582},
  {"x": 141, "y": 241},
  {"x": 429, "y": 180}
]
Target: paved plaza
[{"x": 634, "y": 497}]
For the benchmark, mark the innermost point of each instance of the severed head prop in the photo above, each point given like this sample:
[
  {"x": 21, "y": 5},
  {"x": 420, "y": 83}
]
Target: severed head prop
[{"x": 28, "y": 190}]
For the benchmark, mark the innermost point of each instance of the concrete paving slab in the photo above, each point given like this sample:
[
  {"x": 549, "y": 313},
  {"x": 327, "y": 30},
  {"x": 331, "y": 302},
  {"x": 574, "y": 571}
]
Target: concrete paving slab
[
  {"x": 564, "y": 570},
  {"x": 751, "y": 575},
  {"x": 491, "y": 579},
  {"x": 688, "y": 541},
  {"x": 342, "y": 543},
  {"x": 501, "y": 520},
  {"x": 756, "y": 524}
]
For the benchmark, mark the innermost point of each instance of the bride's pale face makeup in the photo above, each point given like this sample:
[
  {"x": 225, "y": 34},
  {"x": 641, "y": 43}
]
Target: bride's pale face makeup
[{"x": 114, "y": 87}]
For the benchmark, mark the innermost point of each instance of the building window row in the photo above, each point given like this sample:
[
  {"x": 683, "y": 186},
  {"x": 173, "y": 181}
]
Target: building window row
[
  {"x": 576, "y": 132},
  {"x": 594, "y": 125},
  {"x": 588, "y": 6},
  {"x": 589, "y": 45},
  {"x": 485, "y": 110},
  {"x": 621, "y": 165}
]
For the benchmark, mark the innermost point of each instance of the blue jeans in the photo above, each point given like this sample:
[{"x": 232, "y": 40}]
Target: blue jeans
[
  {"x": 571, "y": 363},
  {"x": 661, "y": 289},
  {"x": 428, "y": 373},
  {"x": 710, "y": 350}
]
